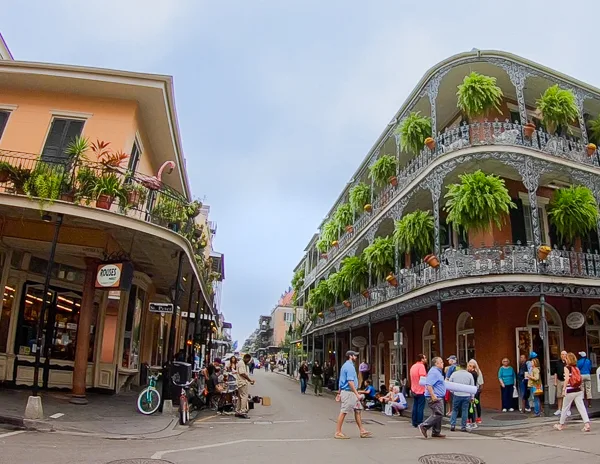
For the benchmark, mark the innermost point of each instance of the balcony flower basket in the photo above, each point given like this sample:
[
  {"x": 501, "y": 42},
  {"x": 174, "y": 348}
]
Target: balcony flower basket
[
  {"x": 413, "y": 130},
  {"x": 349, "y": 229},
  {"x": 558, "y": 108},
  {"x": 368, "y": 208},
  {"x": 383, "y": 170},
  {"x": 332, "y": 309},
  {"x": 85, "y": 184},
  {"x": 393, "y": 181},
  {"x": 432, "y": 261},
  {"x": 322, "y": 246},
  {"x": 430, "y": 143},
  {"x": 360, "y": 197},
  {"x": 366, "y": 294},
  {"x": 330, "y": 232},
  {"x": 344, "y": 216},
  {"x": 169, "y": 212},
  {"x": 335, "y": 243},
  {"x": 19, "y": 176},
  {"x": 591, "y": 149},
  {"x": 573, "y": 212},
  {"x": 355, "y": 273},
  {"x": 135, "y": 193},
  {"x": 543, "y": 252},
  {"x": 414, "y": 233},
  {"x": 528, "y": 129},
  {"x": 478, "y": 95},
  {"x": 392, "y": 280},
  {"x": 321, "y": 315},
  {"x": 338, "y": 286},
  {"x": 347, "y": 303},
  {"x": 194, "y": 208},
  {"x": 108, "y": 188},
  {"x": 379, "y": 257},
  {"x": 5, "y": 171},
  {"x": 46, "y": 183}
]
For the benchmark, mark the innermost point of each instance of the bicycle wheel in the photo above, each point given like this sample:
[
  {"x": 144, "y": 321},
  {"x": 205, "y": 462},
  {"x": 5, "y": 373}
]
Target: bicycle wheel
[
  {"x": 148, "y": 401},
  {"x": 184, "y": 411}
]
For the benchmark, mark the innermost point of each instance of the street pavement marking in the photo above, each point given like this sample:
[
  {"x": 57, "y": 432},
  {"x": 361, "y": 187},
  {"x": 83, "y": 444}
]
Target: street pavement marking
[
  {"x": 539, "y": 443},
  {"x": 160, "y": 454},
  {"x": 204, "y": 419},
  {"x": 10, "y": 434},
  {"x": 57, "y": 415},
  {"x": 464, "y": 437}
]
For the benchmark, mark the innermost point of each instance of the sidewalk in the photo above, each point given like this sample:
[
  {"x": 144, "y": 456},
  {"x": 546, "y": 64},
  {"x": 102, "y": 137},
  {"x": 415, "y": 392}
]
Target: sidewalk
[
  {"x": 108, "y": 416},
  {"x": 495, "y": 420}
]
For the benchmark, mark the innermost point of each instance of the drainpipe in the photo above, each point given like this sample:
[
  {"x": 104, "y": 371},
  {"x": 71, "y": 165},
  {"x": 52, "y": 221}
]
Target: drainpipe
[{"x": 441, "y": 336}]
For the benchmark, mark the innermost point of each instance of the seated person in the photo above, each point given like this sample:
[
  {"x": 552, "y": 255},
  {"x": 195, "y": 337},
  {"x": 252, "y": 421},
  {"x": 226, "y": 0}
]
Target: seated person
[
  {"x": 385, "y": 395},
  {"x": 369, "y": 393},
  {"x": 398, "y": 401}
]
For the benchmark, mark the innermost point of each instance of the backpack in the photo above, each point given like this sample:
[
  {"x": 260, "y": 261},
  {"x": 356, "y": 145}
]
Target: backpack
[{"x": 575, "y": 378}]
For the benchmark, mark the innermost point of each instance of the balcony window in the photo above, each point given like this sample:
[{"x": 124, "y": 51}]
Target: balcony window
[
  {"x": 520, "y": 217},
  {"x": 62, "y": 133},
  {"x": 3, "y": 120},
  {"x": 134, "y": 159}
]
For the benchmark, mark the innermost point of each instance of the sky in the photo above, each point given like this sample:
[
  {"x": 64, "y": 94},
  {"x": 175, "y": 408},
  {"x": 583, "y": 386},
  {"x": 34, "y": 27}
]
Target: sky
[{"x": 279, "y": 101}]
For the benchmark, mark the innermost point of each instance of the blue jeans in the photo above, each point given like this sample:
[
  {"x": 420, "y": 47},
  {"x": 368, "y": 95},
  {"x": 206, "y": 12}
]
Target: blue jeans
[
  {"x": 536, "y": 401},
  {"x": 303, "y": 384},
  {"x": 460, "y": 403},
  {"x": 418, "y": 409}
]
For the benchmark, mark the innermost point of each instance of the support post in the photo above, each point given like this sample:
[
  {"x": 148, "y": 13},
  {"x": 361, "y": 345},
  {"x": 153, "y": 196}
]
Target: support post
[
  {"x": 335, "y": 353},
  {"x": 313, "y": 348},
  {"x": 546, "y": 367},
  {"x": 398, "y": 349},
  {"x": 440, "y": 331},
  {"x": 189, "y": 349},
  {"x": 370, "y": 348},
  {"x": 176, "y": 298},
  {"x": 83, "y": 333},
  {"x": 324, "y": 354}
]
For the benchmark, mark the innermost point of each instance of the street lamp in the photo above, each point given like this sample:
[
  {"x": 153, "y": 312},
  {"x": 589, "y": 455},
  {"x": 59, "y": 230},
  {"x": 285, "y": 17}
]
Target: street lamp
[{"x": 34, "y": 403}]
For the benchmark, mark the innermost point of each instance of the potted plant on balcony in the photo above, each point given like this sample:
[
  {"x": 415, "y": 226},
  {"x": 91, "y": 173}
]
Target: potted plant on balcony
[
  {"x": 135, "y": 194},
  {"x": 383, "y": 171},
  {"x": 85, "y": 184},
  {"x": 360, "y": 198},
  {"x": 169, "y": 211},
  {"x": 338, "y": 287},
  {"x": 322, "y": 246},
  {"x": 108, "y": 188},
  {"x": 477, "y": 202},
  {"x": 528, "y": 129},
  {"x": 298, "y": 281},
  {"x": 5, "y": 171},
  {"x": 558, "y": 108},
  {"x": 573, "y": 212},
  {"x": 355, "y": 272},
  {"x": 45, "y": 183},
  {"x": 193, "y": 209},
  {"x": 19, "y": 176},
  {"x": 478, "y": 95},
  {"x": 330, "y": 232},
  {"x": 414, "y": 131},
  {"x": 414, "y": 233},
  {"x": 344, "y": 217},
  {"x": 379, "y": 257}
]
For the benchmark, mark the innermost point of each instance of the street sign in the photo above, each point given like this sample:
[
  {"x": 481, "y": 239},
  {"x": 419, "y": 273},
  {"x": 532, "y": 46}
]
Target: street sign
[{"x": 165, "y": 308}]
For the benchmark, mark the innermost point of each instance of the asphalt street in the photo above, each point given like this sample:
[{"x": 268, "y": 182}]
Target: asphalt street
[{"x": 299, "y": 429}]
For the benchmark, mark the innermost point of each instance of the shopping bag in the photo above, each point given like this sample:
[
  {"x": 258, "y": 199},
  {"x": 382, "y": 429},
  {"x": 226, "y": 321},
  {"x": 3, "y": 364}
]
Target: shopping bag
[
  {"x": 388, "y": 409},
  {"x": 515, "y": 392}
]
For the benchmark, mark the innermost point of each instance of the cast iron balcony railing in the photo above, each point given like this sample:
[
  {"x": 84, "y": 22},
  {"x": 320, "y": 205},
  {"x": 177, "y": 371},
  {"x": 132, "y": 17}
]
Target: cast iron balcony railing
[
  {"x": 472, "y": 262},
  {"x": 466, "y": 136}
]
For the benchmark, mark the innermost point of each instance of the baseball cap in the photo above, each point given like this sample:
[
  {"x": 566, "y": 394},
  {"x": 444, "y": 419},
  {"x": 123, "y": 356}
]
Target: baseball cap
[
  {"x": 583, "y": 354},
  {"x": 217, "y": 361},
  {"x": 351, "y": 353},
  {"x": 451, "y": 358},
  {"x": 533, "y": 355}
]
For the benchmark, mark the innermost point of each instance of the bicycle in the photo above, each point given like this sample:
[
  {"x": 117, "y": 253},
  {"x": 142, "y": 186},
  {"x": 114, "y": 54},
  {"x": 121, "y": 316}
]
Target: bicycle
[
  {"x": 184, "y": 404},
  {"x": 149, "y": 398}
]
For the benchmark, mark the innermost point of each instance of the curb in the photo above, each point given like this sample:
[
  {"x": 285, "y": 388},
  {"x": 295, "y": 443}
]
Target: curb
[{"x": 15, "y": 421}]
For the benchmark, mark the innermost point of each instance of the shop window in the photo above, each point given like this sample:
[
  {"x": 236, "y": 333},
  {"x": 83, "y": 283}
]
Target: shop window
[
  {"x": 159, "y": 329},
  {"x": 8, "y": 301},
  {"x": 66, "y": 310},
  {"x": 111, "y": 323},
  {"x": 592, "y": 330},
  {"x": 430, "y": 341},
  {"x": 465, "y": 338},
  {"x": 131, "y": 343}
]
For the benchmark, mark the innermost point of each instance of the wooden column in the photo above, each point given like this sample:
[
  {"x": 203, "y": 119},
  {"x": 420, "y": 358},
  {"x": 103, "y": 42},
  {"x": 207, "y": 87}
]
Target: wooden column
[{"x": 83, "y": 333}]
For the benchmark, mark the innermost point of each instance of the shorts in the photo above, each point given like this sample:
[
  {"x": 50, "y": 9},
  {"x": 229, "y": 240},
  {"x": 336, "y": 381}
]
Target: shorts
[
  {"x": 349, "y": 402},
  {"x": 560, "y": 388},
  {"x": 586, "y": 381}
]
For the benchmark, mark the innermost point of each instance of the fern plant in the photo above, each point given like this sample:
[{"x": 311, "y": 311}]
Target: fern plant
[
  {"x": 594, "y": 131},
  {"x": 355, "y": 273},
  {"x": 338, "y": 287},
  {"x": 330, "y": 232},
  {"x": 413, "y": 131},
  {"x": 322, "y": 245},
  {"x": 414, "y": 233},
  {"x": 344, "y": 216},
  {"x": 298, "y": 280},
  {"x": 320, "y": 297},
  {"x": 477, "y": 201},
  {"x": 383, "y": 169},
  {"x": 379, "y": 256},
  {"x": 478, "y": 94},
  {"x": 360, "y": 195},
  {"x": 46, "y": 182},
  {"x": 558, "y": 108},
  {"x": 573, "y": 212}
]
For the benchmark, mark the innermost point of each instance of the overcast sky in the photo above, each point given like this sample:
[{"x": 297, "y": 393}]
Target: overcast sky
[{"x": 279, "y": 100}]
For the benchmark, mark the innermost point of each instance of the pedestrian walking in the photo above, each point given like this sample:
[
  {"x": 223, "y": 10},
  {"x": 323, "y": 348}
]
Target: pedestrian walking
[
  {"x": 507, "y": 379},
  {"x": 251, "y": 366},
  {"x": 303, "y": 373},
  {"x": 243, "y": 382},
  {"x": 557, "y": 370},
  {"x": 573, "y": 393},
  {"x": 417, "y": 371},
  {"x": 317, "y": 378},
  {"x": 349, "y": 398},
  {"x": 523, "y": 390},
  {"x": 461, "y": 400},
  {"x": 585, "y": 367},
  {"x": 435, "y": 391}
]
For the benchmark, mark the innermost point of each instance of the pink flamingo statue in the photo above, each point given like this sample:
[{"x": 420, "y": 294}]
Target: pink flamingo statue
[{"x": 155, "y": 182}]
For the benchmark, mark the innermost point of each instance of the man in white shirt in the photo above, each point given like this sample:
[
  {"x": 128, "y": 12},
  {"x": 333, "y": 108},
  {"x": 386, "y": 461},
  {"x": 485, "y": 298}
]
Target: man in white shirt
[{"x": 460, "y": 400}]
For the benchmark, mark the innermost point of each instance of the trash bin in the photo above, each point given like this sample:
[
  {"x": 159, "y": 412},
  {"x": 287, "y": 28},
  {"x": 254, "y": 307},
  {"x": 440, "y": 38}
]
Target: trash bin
[{"x": 180, "y": 372}]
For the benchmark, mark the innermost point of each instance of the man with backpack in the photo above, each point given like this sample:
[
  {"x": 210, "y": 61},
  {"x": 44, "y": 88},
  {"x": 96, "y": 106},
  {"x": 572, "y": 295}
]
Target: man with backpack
[{"x": 585, "y": 367}]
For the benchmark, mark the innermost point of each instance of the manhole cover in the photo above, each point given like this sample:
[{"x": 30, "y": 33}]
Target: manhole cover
[
  {"x": 509, "y": 417},
  {"x": 449, "y": 459},
  {"x": 140, "y": 461}
]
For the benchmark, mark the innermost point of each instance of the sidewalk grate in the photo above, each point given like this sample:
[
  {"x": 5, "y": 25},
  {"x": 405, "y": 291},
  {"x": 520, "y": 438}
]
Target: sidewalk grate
[
  {"x": 450, "y": 459},
  {"x": 140, "y": 461}
]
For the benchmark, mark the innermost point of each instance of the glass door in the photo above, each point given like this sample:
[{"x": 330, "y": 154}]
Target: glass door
[{"x": 523, "y": 340}]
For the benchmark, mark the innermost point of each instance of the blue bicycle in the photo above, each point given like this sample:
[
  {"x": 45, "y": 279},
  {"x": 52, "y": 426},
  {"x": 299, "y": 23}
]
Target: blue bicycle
[{"x": 149, "y": 398}]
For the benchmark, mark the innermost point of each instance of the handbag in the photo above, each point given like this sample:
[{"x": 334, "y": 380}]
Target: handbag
[
  {"x": 515, "y": 392},
  {"x": 388, "y": 409},
  {"x": 539, "y": 390}
]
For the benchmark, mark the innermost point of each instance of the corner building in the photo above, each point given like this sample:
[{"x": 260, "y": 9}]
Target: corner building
[{"x": 484, "y": 300}]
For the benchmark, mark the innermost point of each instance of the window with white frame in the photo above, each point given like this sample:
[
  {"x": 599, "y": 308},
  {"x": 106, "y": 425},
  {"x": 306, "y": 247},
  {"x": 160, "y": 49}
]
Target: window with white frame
[
  {"x": 542, "y": 202},
  {"x": 288, "y": 317},
  {"x": 430, "y": 342},
  {"x": 465, "y": 338}
]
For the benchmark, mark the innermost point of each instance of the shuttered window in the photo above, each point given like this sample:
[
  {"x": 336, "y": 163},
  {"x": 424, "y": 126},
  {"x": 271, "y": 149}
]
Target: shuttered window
[
  {"x": 134, "y": 159},
  {"x": 62, "y": 133},
  {"x": 3, "y": 120}
]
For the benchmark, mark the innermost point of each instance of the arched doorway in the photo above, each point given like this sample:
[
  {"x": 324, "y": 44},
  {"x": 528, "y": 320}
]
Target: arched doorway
[
  {"x": 399, "y": 362},
  {"x": 430, "y": 341},
  {"x": 465, "y": 337},
  {"x": 592, "y": 333}
]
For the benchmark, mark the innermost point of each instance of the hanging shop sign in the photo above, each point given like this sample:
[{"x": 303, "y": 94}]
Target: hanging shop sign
[
  {"x": 110, "y": 276},
  {"x": 165, "y": 308},
  {"x": 575, "y": 320},
  {"x": 359, "y": 342}
]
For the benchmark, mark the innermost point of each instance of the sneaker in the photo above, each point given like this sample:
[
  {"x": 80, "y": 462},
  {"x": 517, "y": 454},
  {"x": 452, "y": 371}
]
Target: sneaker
[
  {"x": 527, "y": 409},
  {"x": 422, "y": 430},
  {"x": 557, "y": 413},
  {"x": 452, "y": 428},
  {"x": 439, "y": 435},
  {"x": 511, "y": 410},
  {"x": 504, "y": 410},
  {"x": 474, "y": 426},
  {"x": 478, "y": 421}
]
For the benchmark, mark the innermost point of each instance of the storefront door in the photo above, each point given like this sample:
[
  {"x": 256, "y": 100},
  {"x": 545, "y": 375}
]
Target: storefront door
[{"x": 59, "y": 330}]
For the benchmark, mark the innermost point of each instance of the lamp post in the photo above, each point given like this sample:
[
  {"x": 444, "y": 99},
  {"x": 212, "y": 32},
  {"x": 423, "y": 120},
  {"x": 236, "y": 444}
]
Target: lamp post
[{"x": 34, "y": 409}]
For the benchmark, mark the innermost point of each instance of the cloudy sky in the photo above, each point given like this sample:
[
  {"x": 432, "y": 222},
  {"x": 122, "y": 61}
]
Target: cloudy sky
[{"x": 279, "y": 101}]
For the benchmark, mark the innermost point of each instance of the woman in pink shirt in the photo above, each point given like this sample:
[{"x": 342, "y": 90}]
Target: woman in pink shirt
[{"x": 417, "y": 371}]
